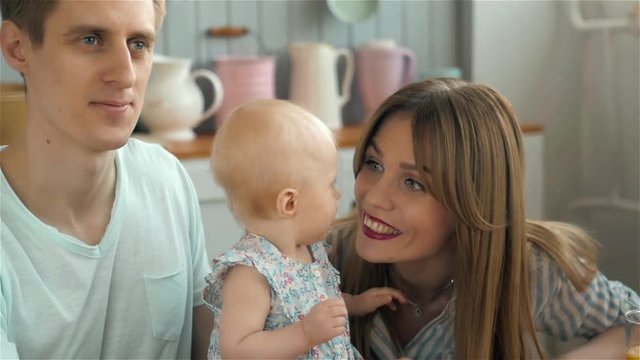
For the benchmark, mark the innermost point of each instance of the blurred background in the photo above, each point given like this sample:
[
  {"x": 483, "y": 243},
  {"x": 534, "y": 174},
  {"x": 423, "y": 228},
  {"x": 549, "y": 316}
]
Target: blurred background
[{"x": 570, "y": 66}]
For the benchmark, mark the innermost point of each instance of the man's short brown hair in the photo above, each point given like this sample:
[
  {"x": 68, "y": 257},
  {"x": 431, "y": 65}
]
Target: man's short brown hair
[{"x": 30, "y": 15}]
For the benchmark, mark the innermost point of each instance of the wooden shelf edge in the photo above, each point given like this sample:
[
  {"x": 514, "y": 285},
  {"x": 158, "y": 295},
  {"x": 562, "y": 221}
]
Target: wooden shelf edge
[{"x": 346, "y": 137}]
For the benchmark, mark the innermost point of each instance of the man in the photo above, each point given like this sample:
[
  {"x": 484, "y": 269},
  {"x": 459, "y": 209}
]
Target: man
[{"x": 102, "y": 248}]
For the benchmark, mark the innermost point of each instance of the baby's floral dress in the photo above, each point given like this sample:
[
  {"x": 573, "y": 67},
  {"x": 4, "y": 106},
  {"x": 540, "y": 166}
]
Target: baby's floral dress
[{"x": 295, "y": 289}]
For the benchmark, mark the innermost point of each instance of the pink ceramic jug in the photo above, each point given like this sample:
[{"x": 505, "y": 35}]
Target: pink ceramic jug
[
  {"x": 244, "y": 79},
  {"x": 381, "y": 69}
]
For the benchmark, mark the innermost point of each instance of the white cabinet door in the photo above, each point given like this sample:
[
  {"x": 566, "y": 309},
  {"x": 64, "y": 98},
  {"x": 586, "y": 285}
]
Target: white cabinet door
[
  {"x": 345, "y": 180},
  {"x": 534, "y": 176},
  {"x": 220, "y": 228}
]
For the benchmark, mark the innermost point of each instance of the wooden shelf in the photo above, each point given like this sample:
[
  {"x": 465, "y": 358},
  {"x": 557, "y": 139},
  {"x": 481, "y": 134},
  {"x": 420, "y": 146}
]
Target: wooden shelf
[{"x": 346, "y": 137}]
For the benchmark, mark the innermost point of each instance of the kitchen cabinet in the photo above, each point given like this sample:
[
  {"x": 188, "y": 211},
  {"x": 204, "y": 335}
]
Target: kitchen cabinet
[{"x": 221, "y": 230}]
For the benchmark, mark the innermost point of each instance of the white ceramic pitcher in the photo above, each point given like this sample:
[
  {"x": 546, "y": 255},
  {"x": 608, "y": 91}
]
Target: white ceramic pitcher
[
  {"x": 174, "y": 103},
  {"x": 314, "y": 80}
]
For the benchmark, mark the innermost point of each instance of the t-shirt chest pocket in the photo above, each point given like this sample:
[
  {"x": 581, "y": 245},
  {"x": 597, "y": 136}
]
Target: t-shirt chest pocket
[
  {"x": 166, "y": 283},
  {"x": 167, "y": 297}
]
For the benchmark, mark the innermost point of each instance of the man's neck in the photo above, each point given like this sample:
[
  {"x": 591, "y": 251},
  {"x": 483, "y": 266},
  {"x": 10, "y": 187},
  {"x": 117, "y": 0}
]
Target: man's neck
[{"x": 65, "y": 188}]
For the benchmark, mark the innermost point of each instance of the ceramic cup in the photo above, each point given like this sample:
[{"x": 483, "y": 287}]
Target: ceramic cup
[
  {"x": 632, "y": 334},
  {"x": 244, "y": 79}
]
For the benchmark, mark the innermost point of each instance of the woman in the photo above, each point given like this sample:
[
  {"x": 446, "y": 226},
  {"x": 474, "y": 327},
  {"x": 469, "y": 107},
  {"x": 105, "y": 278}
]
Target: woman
[{"x": 440, "y": 216}]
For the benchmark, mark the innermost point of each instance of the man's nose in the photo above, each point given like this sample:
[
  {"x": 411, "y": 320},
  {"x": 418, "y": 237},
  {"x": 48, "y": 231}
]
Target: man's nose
[{"x": 120, "y": 69}]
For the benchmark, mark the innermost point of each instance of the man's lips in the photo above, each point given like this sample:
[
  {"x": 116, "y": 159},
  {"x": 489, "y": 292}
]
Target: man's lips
[
  {"x": 377, "y": 229},
  {"x": 113, "y": 103},
  {"x": 113, "y": 106}
]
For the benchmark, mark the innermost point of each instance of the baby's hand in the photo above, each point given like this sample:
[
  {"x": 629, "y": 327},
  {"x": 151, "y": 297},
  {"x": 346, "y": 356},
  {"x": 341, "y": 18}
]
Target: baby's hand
[
  {"x": 370, "y": 300},
  {"x": 325, "y": 321}
]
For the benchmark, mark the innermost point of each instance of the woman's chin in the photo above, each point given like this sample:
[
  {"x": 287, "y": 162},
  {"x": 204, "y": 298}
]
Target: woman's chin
[{"x": 371, "y": 251}]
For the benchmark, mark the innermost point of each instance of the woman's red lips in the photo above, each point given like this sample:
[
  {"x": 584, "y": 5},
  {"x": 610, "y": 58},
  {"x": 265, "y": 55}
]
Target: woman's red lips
[{"x": 377, "y": 229}]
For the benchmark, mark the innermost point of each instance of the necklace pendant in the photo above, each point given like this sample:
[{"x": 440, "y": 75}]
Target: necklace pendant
[{"x": 418, "y": 311}]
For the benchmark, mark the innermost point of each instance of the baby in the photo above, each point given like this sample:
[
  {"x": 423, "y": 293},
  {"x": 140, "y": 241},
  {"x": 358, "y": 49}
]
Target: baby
[{"x": 275, "y": 294}]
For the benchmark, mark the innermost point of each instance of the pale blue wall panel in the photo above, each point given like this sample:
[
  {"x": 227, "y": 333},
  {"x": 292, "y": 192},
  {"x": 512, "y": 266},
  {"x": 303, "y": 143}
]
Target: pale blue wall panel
[
  {"x": 273, "y": 19},
  {"x": 363, "y": 31},
  {"x": 211, "y": 13},
  {"x": 416, "y": 24},
  {"x": 442, "y": 33},
  {"x": 180, "y": 29},
  {"x": 333, "y": 30},
  {"x": 389, "y": 20},
  {"x": 427, "y": 27},
  {"x": 304, "y": 22},
  {"x": 274, "y": 36},
  {"x": 244, "y": 13},
  {"x": 162, "y": 40}
]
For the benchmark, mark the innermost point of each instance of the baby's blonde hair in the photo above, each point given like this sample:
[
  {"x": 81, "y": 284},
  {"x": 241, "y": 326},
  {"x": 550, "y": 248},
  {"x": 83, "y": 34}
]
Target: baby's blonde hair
[{"x": 264, "y": 147}]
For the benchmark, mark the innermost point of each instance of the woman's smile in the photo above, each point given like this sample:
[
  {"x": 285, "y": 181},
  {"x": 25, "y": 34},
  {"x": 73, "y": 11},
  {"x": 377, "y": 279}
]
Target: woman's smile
[{"x": 377, "y": 229}]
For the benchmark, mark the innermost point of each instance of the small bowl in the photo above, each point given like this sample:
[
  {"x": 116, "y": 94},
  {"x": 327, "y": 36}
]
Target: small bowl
[{"x": 352, "y": 11}]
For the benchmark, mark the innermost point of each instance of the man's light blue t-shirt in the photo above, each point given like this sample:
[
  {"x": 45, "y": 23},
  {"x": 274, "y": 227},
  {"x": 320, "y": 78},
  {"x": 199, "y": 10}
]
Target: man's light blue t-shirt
[{"x": 130, "y": 296}]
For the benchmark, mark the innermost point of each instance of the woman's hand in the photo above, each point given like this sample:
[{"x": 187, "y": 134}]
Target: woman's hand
[
  {"x": 608, "y": 345},
  {"x": 372, "y": 299}
]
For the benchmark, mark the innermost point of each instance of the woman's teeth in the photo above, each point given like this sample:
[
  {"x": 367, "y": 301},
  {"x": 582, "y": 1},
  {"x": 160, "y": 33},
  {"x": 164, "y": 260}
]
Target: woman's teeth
[{"x": 379, "y": 228}]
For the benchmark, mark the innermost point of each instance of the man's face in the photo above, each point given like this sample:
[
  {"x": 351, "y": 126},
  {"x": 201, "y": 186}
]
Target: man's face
[{"x": 86, "y": 81}]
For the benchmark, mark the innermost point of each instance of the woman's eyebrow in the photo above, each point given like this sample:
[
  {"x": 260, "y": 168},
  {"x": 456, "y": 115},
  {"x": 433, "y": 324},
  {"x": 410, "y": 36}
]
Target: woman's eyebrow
[
  {"x": 412, "y": 167},
  {"x": 375, "y": 147},
  {"x": 403, "y": 165}
]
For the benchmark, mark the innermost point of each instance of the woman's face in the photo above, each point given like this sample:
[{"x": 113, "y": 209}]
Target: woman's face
[{"x": 399, "y": 219}]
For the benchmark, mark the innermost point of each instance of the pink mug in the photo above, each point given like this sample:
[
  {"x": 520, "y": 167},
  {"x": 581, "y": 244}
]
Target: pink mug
[
  {"x": 244, "y": 79},
  {"x": 380, "y": 71}
]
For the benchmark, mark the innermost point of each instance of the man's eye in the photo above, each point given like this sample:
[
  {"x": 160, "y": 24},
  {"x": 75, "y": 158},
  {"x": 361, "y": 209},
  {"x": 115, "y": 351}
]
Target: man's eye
[
  {"x": 414, "y": 185},
  {"x": 90, "y": 40},
  {"x": 139, "y": 45}
]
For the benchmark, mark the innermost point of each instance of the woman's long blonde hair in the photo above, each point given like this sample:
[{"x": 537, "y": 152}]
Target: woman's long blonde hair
[{"x": 470, "y": 137}]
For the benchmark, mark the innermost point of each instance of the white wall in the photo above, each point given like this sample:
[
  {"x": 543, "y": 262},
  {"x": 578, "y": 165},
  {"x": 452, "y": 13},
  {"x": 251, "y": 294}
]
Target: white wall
[{"x": 530, "y": 52}]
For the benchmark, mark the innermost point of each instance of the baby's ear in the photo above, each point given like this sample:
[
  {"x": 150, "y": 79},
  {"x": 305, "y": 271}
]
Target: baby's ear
[{"x": 287, "y": 202}]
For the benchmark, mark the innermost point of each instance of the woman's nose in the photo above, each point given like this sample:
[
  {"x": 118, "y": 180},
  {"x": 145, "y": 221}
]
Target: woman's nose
[{"x": 377, "y": 193}]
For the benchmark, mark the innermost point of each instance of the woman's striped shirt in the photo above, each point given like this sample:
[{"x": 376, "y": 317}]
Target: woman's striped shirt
[{"x": 560, "y": 311}]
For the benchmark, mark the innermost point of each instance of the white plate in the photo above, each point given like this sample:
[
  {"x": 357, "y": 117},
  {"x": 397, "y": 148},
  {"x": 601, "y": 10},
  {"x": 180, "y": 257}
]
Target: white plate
[{"x": 351, "y": 11}]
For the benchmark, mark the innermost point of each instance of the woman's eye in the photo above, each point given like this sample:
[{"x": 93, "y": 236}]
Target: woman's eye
[
  {"x": 414, "y": 185},
  {"x": 90, "y": 40},
  {"x": 373, "y": 165}
]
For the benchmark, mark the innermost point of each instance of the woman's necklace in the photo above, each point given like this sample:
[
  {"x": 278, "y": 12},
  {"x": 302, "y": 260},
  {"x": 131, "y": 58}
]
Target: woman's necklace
[{"x": 418, "y": 310}]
